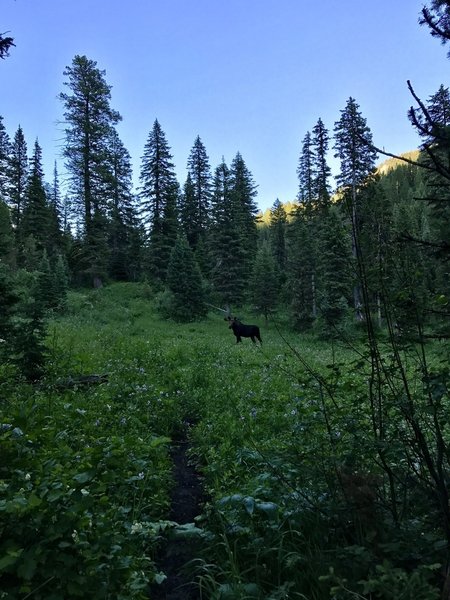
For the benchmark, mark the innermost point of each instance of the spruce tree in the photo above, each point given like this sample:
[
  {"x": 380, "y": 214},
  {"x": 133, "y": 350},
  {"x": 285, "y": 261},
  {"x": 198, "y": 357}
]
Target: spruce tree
[
  {"x": 224, "y": 241},
  {"x": 244, "y": 211},
  {"x": 264, "y": 282},
  {"x": 159, "y": 193},
  {"x": 321, "y": 171},
  {"x": 277, "y": 232},
  {"x": 197, "y": 212},
  {"x": 354, "y": 148},
  {"x": 184, "y": 281},
  {"x": 35, "y": 218},
  {"x": 89, "y": 121},
  {"x": 5, "y": 151},
  {"x": 18, "y": 176}
]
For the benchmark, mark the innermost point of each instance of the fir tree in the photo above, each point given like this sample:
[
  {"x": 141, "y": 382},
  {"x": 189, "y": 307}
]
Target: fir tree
[
  {"x": 184, "y": 281},
  {"x": 35, "y": 219},
  {"x": 277, "y": 230},
  {"x": 5, "y": 151},
  {"x": 224, "y": 242},
  {"x": 18, "y": 176},
  {"x": 159, "y": 196},
  {"x": 354, "y": 148},
  {"x": 197, "y": 212},
  {"x": 321, "y": 172},
  {"x": 264, "y": 281},
  {"x": 306, "y": 193}
]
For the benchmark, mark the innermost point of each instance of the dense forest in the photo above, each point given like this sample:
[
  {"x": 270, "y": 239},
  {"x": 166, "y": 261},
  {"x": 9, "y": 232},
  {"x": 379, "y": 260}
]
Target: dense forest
[{"x": 349, "y": 500}]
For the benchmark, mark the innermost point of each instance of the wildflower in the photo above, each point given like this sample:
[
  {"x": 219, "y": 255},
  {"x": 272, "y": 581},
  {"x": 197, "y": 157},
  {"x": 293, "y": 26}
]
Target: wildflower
[
  {"x": 27, "y": 477},
  {"x": 136, "y": 527},
  {"x": 75, "y": 536},
  {"x": 140, "y": 475},
  {"x": 84, "y": 492}
]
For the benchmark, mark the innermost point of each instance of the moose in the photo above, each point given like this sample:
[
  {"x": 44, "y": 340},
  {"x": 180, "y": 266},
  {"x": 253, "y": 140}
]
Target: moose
[{"x": 240, "y": 330}]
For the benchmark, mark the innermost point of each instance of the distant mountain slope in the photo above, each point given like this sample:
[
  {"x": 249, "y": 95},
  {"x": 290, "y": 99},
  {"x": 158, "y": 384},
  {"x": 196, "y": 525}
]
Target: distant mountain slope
[
  {"x": 392, "y": 163},
  {"x": 383, "y": 169}
]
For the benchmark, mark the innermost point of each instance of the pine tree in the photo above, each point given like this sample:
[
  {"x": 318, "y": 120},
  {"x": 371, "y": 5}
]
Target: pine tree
[
  {"x": 159, "y": 196},
  {"x": 35, "y": 218},
  {"x": 335, "y": 272},
  {"x": 89, "y": 121},
  {"x": 244, "y": 210},
  {"x": 306, "y": 193},
  {"x": 277, "y": 232},
  {"x": 264, "y": 281},
  {"x": 7, "y": 246},
  {"x": 197, "y": 207},
  {"x": 353, "y": 145},
  {"x": 184, "y": 281},
  {"x": 18, "y": 176},
  {"x": 321, "y": 171},
  {"x": 224, "y": 241},
  {"x": 5, "y": 151}
]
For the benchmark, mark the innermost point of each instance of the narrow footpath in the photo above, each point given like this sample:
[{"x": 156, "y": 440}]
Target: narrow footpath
[{"x": 187, "y": 499}]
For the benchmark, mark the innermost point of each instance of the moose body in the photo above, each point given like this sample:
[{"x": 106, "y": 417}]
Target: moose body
[{"x": 240, "y": 330}]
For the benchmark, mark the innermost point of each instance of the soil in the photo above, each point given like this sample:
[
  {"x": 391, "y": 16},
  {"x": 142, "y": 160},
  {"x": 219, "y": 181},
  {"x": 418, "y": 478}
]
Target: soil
[{"x": 187, "y": 499}]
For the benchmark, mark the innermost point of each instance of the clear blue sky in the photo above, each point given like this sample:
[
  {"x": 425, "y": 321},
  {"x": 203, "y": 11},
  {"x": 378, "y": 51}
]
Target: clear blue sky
[{"x": 246, "y": 75}]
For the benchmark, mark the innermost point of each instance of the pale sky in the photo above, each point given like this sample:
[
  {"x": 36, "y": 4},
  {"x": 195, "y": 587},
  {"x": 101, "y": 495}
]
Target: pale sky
[{"x": 246, "y": 75}]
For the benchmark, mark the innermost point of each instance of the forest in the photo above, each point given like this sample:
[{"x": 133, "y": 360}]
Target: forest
[{"x": 322, "y": 454}]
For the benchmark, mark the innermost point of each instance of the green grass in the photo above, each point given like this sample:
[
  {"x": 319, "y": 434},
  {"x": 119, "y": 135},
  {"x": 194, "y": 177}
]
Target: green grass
[{"x": 274, "y": 429}]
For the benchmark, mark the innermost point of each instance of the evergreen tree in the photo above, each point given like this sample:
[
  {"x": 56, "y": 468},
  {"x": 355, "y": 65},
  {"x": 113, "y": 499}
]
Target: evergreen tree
[
  {"x": 225, "y": 247},
  {"x": 5, "y": 151},
  {"x": 185, "y": 285},
  {"x": 197, "y": 212},
  {"x": 301, "y": 258},
  {"x": 321, "y": 172},
  {"x": 18, "y": 176},
  {"x": 188, "y": 208},
  {"x": 264, "y": 281},
  {"x": 306, "y": 193},
  {"x": 353, "y": 145},
  {"x": 277, "y": 231},
  {"x": 244, "y": 210},
  {"x": 159, "y": 196},
  {"x": 7, "y": 247},
  {"x": 35, "y": 219},
  {"x": 335, "y": 270},
  {"x": 89, "y": 122}
]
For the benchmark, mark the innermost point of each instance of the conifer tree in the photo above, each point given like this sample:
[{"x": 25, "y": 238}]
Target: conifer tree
[
  {"x": 306, "y": 195},
  {"x": 89, "y": 119},
  {"x": 184, "y": 281},
  {"x": 264, "y": 281},
  {"x": 244, "y": 210},
  {"x": 7, "y": 246},
  {"x": 159, "y": 198},
  {"x": 354, "y": 148},
  {"x": 188, "y": 205},
  {"x": 225, "y": 247},
  {"x": 5, "y": 151},
  {"x": 321, "y": 171},
  {"x": 277, "y": 232},
  {"x": 336, "y": 274},
  {"x": 197, "y": 212},
  {"x": 35, "y": 218},
  {"x": 18, "y": 176}
]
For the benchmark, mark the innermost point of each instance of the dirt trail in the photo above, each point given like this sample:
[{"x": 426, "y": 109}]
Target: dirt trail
[{"x": 187, "y": 498}]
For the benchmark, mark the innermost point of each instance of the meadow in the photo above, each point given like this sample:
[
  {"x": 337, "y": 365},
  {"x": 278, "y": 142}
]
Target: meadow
[{"x": 282, "y": 434}]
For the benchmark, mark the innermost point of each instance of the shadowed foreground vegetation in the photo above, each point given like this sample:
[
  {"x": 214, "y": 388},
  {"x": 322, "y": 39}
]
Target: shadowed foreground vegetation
[{"x": 308, "y": 499}]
